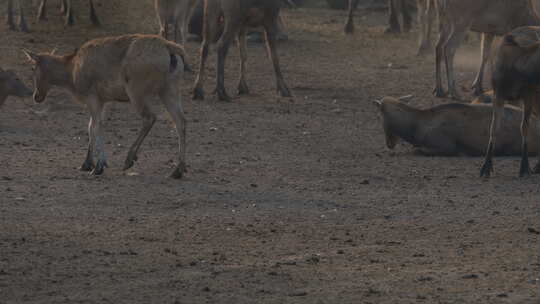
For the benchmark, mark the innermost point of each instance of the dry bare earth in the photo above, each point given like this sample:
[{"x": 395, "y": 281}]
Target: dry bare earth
[{"x": 286, "y": 200}]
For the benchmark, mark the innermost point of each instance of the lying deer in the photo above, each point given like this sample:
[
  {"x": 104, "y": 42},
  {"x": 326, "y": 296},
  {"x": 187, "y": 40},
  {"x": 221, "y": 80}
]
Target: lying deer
[
  {"x": 11, "y": 85},
  {"x": 453, "y": 129},
  {"x": 130, "y": 68},
  {"x": 225, "y": 20}
]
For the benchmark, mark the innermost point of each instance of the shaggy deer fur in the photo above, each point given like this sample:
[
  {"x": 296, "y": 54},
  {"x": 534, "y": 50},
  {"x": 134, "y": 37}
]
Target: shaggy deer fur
[
  {"x": 489, "y": 17},
  {"x": 516, "y": 76},
  {"x": 177, "y": 13},
  {"x": 225, "y": 20},
  {"x": 11, "y": 85},
  {"x": 453, "y": 129},
  {"x": 130, "y": 68}
]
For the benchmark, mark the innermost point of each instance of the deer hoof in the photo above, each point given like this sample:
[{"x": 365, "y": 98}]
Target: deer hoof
[
  {"x": 130, "y": 161},
  {"x": 100, "y": 168},
  {"x": 284, "y": 92},
  {"x": 243, "y": 88},
  {"x": 524, "y": 170},
  {"x": 487, "y": 169},
  {"x": 439, "y": 92},
  {"x": 198, "y": 94},
  {"x": 179, "y": 171},
  {"x": 222, "y": 95},
  {"x": 87, "y": 166}
]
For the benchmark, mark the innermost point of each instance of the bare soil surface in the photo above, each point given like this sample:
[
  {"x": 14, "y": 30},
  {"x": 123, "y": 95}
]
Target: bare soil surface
[{"x": 287, "y": 200}]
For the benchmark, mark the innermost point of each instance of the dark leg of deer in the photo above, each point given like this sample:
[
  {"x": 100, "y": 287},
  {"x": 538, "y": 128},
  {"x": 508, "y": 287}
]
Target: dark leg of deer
[
  {"x": 487, "y": 41},
  {"x": 229, "y": 33},
  {"x": 171, "y": 99},
  {"x": 393, "y": 19},
  {"x": 93, "y": 16},
  {"x": 148, "y": 121},
  {"x": 69, "y": 14},
  {"x": 498, "y": 107},
  {"x": 456, "y": 37},
  {"x": 349, "y": 25},
  {"x": 88, "y": 164},
  {"x": 242, "y": 84},
  {"x": 64, "y": 7},
  {"x": 10, "y": 23},
  {"x": 524, "y": 169},
  {"x": 22, "y": 21},
  {"x": 271, "y": 31},
  {"x": 439, "y": 55},
  {"x": 42, "y": 11},
  {"x": 407, "y": 10}
]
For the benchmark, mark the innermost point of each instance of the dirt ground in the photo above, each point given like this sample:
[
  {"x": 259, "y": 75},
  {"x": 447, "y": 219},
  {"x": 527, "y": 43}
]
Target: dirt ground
[{"x": 287, "y": 200}]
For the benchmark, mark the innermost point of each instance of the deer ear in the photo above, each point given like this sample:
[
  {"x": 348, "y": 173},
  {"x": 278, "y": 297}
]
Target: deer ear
[{"x": 32, "y": 57}]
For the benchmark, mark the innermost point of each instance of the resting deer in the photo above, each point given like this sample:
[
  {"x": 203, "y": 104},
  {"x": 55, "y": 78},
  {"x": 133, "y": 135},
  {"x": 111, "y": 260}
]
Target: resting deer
[
  {"x": 453, "y": 129},
  {"x": 130, "y": 68},
  {"x": 225, "y": 20},
  {"x": 11, "y": 85}
]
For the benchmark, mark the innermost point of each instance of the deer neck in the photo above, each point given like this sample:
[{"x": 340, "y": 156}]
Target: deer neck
[
  {"x": 402, "y": 121},
  {"x": 60, "y": 73}
]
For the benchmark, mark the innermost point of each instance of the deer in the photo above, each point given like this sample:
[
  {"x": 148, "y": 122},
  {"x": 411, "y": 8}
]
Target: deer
[
  {"x": 11, "y": 85},
  {"x": 177, "y": 13},
  {"x": 129, "y": 68},
  {"x": 67, "y": 10},
  {"x": 515, "y": 77},
  {"x": 225, "y": 20},
  {"x": 490, "y": 18},
  {"x": 426, "y": 13},
  {"x": 452, "y": 129}
]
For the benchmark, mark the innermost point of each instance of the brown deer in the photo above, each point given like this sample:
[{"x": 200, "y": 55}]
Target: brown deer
[
  {"x": 130, "y": 68},
  {"x": 453, "y": 129},
  {"x": 488, "y": 17},
  {"x": 11, "y": 85},
  {"x": 516, "y": 77},
  {"x": 225, "y": 20}
]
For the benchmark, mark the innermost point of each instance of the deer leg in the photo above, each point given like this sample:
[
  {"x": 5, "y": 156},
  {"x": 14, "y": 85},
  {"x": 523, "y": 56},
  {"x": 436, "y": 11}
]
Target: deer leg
[
  {"x": 242, "y": 84},
  {"x": 88, "y": 163},
  {"x": 406, "y": 11},
  {"x": 23, "y": 27},
  {"x": 393, "y": 20},
  {"x": 64, "y": 7},
  {"x": 42, "y": 11},
  {"x": 456, "y": 37},
  {"x": 230, "y": 31},
  {"x": 498, "y": 107},
  {"x": 69, "y": 14},
  {"x": 487, "y": 41},
  {"x": 171, "y": 99},
  {"x": 9, "y": 22},
  {"x": 438, "y": 91},
  {"x": 96, "y": 109},
  {"x": 93, "y": 16},
  {"x": 349, "y": 25},
  {"x": 271, "y": 31},
  {"x": 524, "y": 169},
  {"x": 148, "y": 121}
]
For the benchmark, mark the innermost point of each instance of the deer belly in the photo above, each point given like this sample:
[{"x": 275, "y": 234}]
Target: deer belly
[{"x": 112, "y": 91}]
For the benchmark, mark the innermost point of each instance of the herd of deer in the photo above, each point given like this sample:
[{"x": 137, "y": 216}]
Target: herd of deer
[{"x": 132, "y": 68}]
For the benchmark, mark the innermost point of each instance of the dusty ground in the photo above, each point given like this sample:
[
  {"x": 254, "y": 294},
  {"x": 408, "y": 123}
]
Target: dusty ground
[{"x": 286, "y": 200}]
